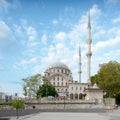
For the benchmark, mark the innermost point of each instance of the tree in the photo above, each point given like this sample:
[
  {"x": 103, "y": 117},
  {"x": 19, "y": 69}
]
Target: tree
[
  {"x": 108, "y": 78},
  {"x": 46, "y": 90},
  {"x": 31, "y": 85},
  {"x": 17, "y": 104}
]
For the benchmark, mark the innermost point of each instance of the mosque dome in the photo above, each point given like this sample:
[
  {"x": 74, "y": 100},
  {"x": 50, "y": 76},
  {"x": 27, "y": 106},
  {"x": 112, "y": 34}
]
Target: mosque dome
[{"x": 59, "y": 64}]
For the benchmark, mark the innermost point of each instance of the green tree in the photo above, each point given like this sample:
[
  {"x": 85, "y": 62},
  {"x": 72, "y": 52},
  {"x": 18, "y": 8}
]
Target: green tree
[
  {"x": 46, "y": 90},
  {"x": 17, "y": 104},
  {"x": 31, "y": 85},
  {"x": 108, "y": 78}
]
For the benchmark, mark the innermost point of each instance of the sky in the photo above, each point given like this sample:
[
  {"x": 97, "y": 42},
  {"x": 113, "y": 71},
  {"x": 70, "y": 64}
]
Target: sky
[{"x": 34, "y": 34}]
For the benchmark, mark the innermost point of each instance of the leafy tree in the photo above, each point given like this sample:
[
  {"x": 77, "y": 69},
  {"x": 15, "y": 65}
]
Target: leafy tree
[
  {"x": 108, "y": 78},
  {"x": 31, "y": 85},
  {"x": 17, "y": 104},
  {"x": 46, "y": 90}
]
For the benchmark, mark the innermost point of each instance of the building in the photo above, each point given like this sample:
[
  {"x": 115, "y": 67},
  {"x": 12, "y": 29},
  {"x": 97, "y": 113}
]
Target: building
[{"x": 60, "y": 76}]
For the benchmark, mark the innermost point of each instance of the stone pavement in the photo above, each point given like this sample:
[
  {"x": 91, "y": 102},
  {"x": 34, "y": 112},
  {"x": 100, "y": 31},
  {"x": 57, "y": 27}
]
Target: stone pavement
[{"x": 111, "y": 115}]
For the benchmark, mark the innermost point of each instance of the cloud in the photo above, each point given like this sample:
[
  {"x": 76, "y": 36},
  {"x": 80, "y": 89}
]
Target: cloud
[
  {"x": 95, "y": 10},
  {"x": 6, "y": 5},
  {"x": 32, "y": 36},
  {"x": 99, "y": 33},
  {"x": 31, "y": 32},
  {"x": 112, "y": 1},
  {"x": 30, "y": 61},
  {"x": 44, "y": 39},
  {"x": 61, "y": 36},
  {"x": 116, "y": 20},
  {"x": 106, "y": 44},
  {"x": 55, "y": 22},
  {"x": 6, "y": 36}
]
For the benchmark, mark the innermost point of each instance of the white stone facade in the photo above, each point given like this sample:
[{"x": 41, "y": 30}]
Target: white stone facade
[{"x": 60, "y": 76}]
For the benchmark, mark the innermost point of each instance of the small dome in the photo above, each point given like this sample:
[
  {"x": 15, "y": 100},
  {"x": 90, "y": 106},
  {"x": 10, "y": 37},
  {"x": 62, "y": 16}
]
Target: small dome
[
  {"x": 59, "y": 65},
  {"x": 95, "y": 86}
]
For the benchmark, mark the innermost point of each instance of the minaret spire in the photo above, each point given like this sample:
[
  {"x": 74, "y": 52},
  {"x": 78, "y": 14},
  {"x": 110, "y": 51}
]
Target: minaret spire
[
  {"x": 89, "y": 53},
  {"x": 79, "y": 72}
]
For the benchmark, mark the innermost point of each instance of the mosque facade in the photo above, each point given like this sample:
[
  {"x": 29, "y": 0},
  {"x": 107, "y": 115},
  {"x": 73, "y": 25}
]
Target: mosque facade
[{"x": 60, "y": 76}]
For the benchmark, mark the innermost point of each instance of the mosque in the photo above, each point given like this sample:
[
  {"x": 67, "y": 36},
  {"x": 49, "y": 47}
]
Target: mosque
[{"x": 60, "y": 76}]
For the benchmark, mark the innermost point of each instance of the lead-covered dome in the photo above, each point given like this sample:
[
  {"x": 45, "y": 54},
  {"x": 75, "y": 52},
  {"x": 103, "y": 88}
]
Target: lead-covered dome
[{"x": 59, "y": 65}]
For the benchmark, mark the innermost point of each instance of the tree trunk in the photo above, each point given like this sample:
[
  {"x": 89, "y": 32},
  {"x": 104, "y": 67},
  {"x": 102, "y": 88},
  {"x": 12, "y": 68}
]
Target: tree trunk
[{"x": 17, "y": 114}]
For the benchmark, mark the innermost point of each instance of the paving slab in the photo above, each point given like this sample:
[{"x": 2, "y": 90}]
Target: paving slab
[{"x": 110, "y": 115}]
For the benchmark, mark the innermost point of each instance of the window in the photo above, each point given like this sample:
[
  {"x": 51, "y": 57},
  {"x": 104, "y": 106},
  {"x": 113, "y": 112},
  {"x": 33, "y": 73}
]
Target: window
[
  {"x": 57, "y": 83},
  {"x": 62, "y": 83},
  {"x": 72, "y": 88},
  {"x": 76, "y": 88}
]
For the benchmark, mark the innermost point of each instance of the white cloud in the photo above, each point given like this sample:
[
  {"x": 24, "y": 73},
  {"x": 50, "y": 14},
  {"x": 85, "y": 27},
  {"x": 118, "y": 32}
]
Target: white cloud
[
  {"x": 61, "y": 36},
  {"x": 55, "y": 22},
  {"x": 32, "y": 60},
  {"x": 106, "y": 44},
  {"x": 4, "y": 5},
  {"x": 99, "y": 33},
  {"x": 44, "y": 39},
  {"x": 37, "y": 69},
  {"x": 116, "y": 20},
  {"x": 31, "y": 32},
  {"x": 6, "y": 36},
  {"x": 112, "y": 1},
  {"x": 32, "y": 36},
  {"x": 95, "y": 11}
]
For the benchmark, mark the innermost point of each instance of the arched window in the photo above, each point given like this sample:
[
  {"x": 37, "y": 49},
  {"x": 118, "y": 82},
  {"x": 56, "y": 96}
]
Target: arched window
[
  {"x": 76, "y": 96},
  {"x": 71, "y": 96},
  {"x": 80, "y": 96},
  {"x": 80, "y": 88}
]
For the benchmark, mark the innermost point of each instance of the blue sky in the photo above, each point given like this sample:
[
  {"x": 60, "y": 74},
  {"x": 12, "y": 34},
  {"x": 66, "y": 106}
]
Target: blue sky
[{"x": 36, "y": 33}]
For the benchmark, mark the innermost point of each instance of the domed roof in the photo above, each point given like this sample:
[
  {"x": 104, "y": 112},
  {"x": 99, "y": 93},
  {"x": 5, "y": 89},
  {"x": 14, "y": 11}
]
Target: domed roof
[{"x": 59, "y": 64}]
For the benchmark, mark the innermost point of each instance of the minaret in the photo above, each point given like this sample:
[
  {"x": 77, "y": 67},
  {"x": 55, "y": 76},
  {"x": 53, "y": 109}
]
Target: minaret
[
  {"x": 79, "y": 72},
  {"x": 89, "y": 53}
]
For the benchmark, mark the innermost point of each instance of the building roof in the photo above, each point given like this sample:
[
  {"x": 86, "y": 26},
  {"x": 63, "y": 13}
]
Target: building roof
[{"x": 59, "y": 64}]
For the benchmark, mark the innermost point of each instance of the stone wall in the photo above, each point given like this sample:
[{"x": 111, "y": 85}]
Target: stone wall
[
  {"x": 109, "y": 103},
  {"x": 59, "y": 104}
]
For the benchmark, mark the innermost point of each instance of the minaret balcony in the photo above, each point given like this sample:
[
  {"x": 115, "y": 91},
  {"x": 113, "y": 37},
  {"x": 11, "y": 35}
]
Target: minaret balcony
[{"x": 89, "y": 54}]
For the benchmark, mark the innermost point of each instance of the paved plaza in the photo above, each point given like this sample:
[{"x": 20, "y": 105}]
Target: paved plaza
[{"x": 111, "y": 115}]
